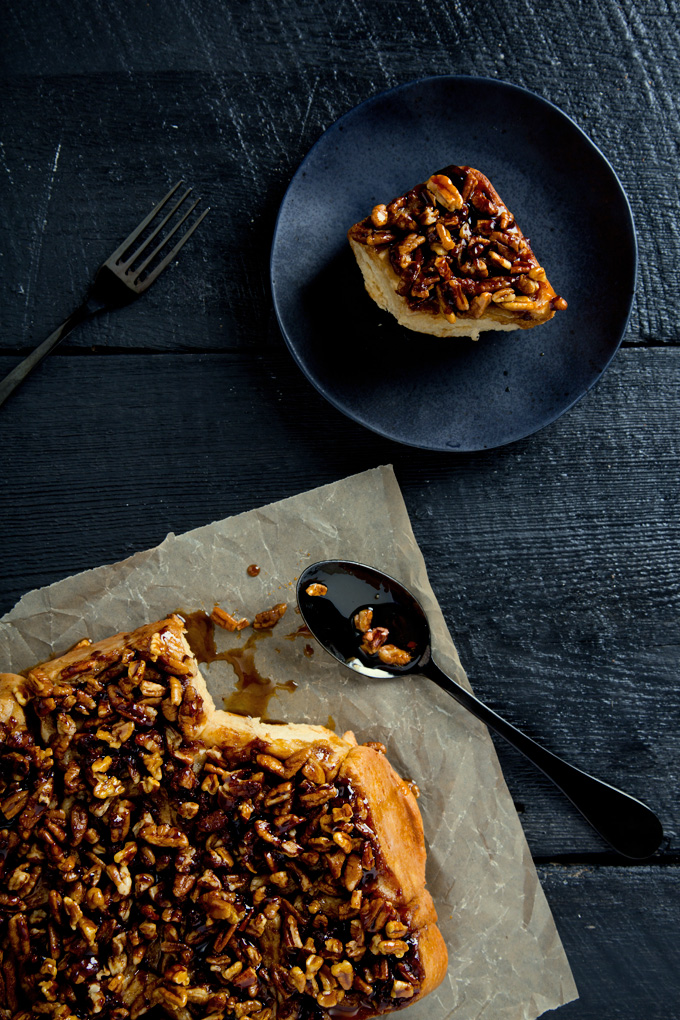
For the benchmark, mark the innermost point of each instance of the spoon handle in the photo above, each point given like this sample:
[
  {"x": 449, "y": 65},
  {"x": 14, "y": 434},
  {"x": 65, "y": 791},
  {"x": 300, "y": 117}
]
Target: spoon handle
[{"x": 627, "y": 824}]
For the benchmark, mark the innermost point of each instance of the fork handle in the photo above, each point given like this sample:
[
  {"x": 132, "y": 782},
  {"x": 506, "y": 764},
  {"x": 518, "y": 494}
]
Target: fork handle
[{"x": 87, "y": 310}]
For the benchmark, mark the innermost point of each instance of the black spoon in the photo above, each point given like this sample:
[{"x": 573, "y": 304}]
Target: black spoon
[{"x": 627, "y": 824}]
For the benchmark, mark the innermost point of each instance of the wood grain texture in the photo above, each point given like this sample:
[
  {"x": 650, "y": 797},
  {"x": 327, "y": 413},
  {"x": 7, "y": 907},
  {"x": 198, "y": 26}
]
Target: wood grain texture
[
  {"x": 551, "y": 558},
  {"x": 232, "y": 97},
  {"x": 555, "y": 560},
  {"x": 619, "y": 928}
]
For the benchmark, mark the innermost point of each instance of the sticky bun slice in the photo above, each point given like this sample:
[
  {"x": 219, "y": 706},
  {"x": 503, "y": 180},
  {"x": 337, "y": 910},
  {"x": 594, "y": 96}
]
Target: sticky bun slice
[{"x": 448, "y": 258}]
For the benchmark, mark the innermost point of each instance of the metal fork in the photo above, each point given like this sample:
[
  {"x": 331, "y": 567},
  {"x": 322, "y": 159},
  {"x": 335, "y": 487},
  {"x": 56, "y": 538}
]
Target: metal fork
[{"x": 120, "y": 280}]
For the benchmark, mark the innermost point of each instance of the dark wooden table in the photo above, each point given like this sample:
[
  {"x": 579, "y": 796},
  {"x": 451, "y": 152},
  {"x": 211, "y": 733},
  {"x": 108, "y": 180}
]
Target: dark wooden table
[{"x": 555, "y": 559}]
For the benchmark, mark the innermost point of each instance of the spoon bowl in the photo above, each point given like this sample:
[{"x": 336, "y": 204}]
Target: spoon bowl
[
  {"x": 332, "y": 593},
  {"x": 352, "y": 587}
]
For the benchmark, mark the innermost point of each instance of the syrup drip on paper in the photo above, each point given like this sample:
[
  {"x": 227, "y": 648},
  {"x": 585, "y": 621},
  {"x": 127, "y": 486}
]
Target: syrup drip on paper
[{"x": 253, "y": 691}]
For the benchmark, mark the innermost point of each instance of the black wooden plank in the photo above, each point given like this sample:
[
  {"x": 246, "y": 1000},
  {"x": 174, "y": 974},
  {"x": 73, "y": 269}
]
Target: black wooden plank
[
  {"x": 234, "y": 95},
  {"x": 83, "y": 161},
  {"x": 619, "y": 929},
  {"x": 555, "y": 559}
]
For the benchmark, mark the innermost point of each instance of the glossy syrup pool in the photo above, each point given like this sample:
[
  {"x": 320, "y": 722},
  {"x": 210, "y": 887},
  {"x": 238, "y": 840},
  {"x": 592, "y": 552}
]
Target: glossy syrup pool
[
  {"x": 253, "y": 691},
  {"x": 351, "y": 588}
]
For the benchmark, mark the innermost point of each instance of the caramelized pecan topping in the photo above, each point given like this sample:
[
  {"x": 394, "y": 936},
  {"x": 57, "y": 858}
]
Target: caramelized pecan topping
[
  {"x": 142, "y": 873},
  {"x": 373, "y": 641},
  {"x": 456, "y": 247}
]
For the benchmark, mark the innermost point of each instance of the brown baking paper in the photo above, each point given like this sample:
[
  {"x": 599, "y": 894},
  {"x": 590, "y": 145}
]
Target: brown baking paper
[{"x": 506, "y": 961}]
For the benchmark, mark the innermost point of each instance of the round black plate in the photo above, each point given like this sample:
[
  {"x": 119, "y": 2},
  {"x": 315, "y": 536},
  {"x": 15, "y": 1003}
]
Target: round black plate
[{"x": 454, "y": 394}]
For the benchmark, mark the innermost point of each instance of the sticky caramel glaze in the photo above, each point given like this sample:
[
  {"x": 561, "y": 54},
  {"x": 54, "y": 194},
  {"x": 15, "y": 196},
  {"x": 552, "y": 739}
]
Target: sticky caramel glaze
[
  {"x": 253, "y": 691},
  {"x": 393, "y": 812},
  {"x": 302, "y": 631},
  {"x": 194, "y": 890},
  {"x": 448, "y": 248},
  {"x": 219, "y": 817},
  {"x": 236, "y": 849},
  {"x": 371, "y": 886},
  {"x": 200, "y": 633}
]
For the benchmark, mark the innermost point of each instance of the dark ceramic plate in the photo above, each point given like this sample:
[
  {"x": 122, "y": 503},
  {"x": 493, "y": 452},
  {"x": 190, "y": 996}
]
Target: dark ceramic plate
[{"x": 454, "y": 394}]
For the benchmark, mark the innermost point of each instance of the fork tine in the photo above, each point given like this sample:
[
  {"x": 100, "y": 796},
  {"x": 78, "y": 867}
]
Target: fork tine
[
  {"x": 129, "y": 241},
  {"x": 161, "y": 244},
  {"x": 145, "y": 246},
  {"x": 168, "y": 258}
]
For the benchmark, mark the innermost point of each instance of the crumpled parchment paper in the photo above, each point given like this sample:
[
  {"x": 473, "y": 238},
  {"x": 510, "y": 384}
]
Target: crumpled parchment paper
[{"x": 506, "y": 961}]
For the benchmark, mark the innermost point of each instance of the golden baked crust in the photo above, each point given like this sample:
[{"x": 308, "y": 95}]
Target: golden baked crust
[
  {"x": 448, "y": 258},
  {"x": 163, "y": 858}
]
